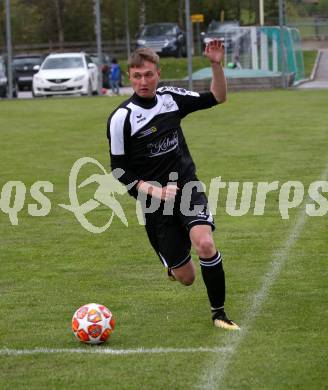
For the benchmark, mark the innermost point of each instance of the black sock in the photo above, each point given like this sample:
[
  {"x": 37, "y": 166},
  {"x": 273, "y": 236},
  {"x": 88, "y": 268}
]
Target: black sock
[{"x": 213, "y": 276}]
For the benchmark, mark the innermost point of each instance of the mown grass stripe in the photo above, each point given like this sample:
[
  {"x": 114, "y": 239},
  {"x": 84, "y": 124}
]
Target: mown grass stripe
[{"x": 214, "y": 373}]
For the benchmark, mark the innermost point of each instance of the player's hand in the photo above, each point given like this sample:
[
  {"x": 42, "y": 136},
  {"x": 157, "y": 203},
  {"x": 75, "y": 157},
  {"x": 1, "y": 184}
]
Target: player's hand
[
  {"x": 214, "y": 51},
  {"x": 169, "y": 192},
  {"x": 164, "y": 193}
]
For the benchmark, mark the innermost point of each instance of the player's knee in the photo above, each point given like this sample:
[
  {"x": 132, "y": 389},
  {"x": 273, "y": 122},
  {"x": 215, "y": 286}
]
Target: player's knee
[
  {"x": 188, "y": 280},
  {"x": 205, "y": 246},
  {"x": 185, "y": 274},
  {"x": 185, "y": 278}
]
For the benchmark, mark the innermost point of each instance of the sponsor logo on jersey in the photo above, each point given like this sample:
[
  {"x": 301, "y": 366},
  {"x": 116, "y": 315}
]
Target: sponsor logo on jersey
[
  {"x": 169, "y": 105},
  {"x": 141, "y": 118},
  {"x": 146, "y": 132},
  {"x": 164, "y": 145}
]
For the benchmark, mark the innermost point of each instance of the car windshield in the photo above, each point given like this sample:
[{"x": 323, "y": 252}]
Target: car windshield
[
  {"x": 157, "y": 29},
  {"x": 94, "y": 58},
  {"x": 105, "y": 58},
  {"x": 27, "y": 60},
  {"x": 2, "y": 68},
  {"x": 63, "y": 63},
  {"x": 216, "y": 27}
]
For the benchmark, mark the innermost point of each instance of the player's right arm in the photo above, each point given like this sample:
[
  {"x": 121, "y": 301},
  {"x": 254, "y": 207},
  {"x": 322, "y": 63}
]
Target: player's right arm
[
  {"x": 117, "y": 129},
  {"x": 214, "y": 51}
]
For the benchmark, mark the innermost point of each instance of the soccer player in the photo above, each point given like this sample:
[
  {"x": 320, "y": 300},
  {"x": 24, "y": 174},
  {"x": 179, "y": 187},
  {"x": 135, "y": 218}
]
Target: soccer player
[{"x": 146, "y": 142}]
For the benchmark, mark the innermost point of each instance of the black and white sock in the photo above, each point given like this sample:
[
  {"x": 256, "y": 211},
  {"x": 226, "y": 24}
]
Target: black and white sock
[{"x": 214, "y": 279}]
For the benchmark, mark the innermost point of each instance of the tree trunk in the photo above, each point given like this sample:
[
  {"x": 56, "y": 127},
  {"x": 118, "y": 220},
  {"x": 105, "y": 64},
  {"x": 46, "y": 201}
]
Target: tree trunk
[
  {"x": 59, "y": 7},
  {"x": 2, "y": 24},
  {"x": 181, "y": 18},
  {"x": 142, "y": 13},
  {"x": 238, "y": 10},
  {"x": 250, "y": 11},
  {"x": 257, "y": 12}
]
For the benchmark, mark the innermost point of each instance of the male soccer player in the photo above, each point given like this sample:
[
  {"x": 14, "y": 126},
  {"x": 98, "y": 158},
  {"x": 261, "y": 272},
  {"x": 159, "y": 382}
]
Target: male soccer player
[{"x": 147, "y": 143}]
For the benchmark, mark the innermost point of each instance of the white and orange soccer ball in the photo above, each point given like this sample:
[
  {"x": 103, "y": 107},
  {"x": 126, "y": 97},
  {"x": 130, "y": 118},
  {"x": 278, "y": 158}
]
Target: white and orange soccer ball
[{"x": 93, "y": 323}]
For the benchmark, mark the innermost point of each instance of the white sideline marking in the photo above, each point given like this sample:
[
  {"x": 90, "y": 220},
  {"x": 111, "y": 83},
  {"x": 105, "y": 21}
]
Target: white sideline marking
[
  {"x": 109, "y": 351},
  {"x": 213, "y": 375}
]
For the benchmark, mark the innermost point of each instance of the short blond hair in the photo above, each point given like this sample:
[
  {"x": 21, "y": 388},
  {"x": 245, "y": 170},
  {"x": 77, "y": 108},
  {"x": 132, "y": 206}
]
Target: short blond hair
[{"x": 139, "y": 56}]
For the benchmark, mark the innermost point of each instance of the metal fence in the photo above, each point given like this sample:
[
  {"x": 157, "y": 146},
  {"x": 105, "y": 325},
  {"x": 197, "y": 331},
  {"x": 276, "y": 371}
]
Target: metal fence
[
  {"x": 117, "y": 48},
  {"x": 265, "y": 49},
  {"x": 312, "y": 28}
]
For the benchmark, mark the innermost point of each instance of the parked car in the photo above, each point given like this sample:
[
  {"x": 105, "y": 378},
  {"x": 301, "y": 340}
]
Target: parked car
[
  {"x": 4, "y": 81},
  {"x": 66, "y": 74},
  {"x": 23, "y": 71},
  {"x": 229, "y": 32},
  {"x": 167, "y": 39}
]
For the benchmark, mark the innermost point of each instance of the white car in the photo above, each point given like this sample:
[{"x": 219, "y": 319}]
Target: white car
[{"x": 66, "y": 74}]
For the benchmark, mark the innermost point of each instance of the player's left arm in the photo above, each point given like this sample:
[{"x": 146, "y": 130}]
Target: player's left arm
[{"x": 214, "y": 51}]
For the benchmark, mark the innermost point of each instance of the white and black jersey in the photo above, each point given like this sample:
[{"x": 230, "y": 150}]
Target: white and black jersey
[{"x": 146, "y": 139}]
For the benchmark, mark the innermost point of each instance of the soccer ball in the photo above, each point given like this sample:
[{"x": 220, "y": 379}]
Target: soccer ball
[{"x": 93, "y": 323}]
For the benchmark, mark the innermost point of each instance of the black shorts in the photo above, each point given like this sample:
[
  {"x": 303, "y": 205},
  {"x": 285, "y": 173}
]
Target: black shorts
[{"x": 169, "y": 234}]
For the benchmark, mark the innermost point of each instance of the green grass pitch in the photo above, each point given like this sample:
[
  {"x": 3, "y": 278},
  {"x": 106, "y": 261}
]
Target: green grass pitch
[{"x": 50, "y": 265}]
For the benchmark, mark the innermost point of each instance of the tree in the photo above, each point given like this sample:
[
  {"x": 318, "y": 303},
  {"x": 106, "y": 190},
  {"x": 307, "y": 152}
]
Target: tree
[
  {"x": 323, "y": 8},
  {"x": 142, "y": 13},
  {"x": 47, "y": 21},
  {"x": 181, "y": 19},
  {"x": 272, "y": 12},
  {"x": 3, "y": 28},
  {"x": 59, "y": 6}
]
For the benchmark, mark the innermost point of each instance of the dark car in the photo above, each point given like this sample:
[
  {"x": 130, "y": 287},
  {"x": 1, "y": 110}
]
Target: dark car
[
  {"x": 229, "y": 32},
  {"x": 23, "y": 71},
  {"x": 4, "y": 81},
  {"x": 167, "y": 39}
]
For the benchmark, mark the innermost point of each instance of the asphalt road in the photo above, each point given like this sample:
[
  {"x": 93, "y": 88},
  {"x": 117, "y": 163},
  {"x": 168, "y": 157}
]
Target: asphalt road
[{"x": 25, "y": 95}]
